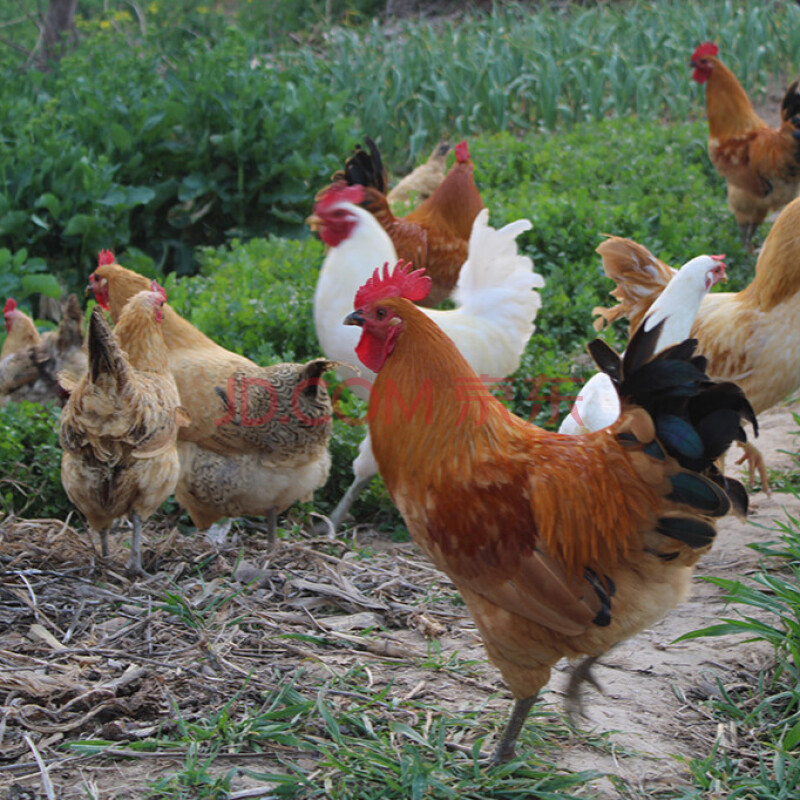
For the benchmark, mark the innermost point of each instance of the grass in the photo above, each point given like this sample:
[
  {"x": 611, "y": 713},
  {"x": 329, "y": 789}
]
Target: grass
[
  {"x": 347, "y": 741},
  {"x": 763, "y": 762},
  {"x": 521, "y": 71}
]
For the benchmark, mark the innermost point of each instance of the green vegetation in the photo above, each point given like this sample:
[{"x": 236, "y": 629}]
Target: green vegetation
[
  {"x": 191, "y": 140},
  {"x": 30, "y": 482},
  {"x": 183, "y": 126},
  {"x": 766, "y": 761}
]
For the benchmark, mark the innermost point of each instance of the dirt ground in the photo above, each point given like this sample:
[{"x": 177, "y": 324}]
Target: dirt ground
[{"x": 88, "y": 655}]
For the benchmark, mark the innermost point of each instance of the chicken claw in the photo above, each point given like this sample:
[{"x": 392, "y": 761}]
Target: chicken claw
[
  {"x": 755, "y": 463},
  {"x": 573, "y": 701}
]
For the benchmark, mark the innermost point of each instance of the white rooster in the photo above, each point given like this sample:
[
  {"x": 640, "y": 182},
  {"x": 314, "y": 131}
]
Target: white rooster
[
  {"x": 495, "y": 298},
  {"x": 597, "y": 405}
]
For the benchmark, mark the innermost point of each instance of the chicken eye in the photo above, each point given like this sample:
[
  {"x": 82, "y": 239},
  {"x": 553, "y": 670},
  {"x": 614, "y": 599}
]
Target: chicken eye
[{"x": 380, "y": 313}]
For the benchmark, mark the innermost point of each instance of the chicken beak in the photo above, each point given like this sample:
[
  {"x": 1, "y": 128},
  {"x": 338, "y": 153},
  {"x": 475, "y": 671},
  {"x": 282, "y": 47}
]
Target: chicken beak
[
  {"x": 354, "y": 318},
  {"x": 314, "y": 222},
  {"x": 88, "y": 291}
]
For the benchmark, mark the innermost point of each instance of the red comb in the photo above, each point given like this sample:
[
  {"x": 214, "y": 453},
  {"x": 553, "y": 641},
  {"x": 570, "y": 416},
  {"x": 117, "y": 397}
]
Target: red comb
[
  {"x": 403, "y": 281},
  {"x": 105, "y": 257},
  {"x": 11, "y": 304},
  {"x": 156, "y": 287},
  {"x": 720, "y": 257},
  {"x": 705, "y": 49},
  {"x": 462, "y": 152},
  {"x": 339, "y": 192}
]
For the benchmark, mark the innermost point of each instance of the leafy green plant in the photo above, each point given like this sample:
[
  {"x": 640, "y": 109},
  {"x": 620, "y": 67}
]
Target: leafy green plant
[{"x": 30, "y": 484}]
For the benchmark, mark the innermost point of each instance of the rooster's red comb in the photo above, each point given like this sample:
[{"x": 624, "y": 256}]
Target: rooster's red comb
[
  {"x": 403, "y": 281},
  {"x": 155, "y": 286},
  {"x": 705, "y": 49},
  {"x": 11, "y": 305},
  {"x": 339, "y": 192},
  {"x": 462, "y": 152},
  {"x": 105, "y": 257}
]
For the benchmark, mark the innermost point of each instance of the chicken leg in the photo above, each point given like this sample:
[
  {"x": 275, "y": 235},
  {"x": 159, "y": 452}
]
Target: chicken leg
[
  {"x": 104, "y": 543},
  {"x": 573, "y": 701},
  {"x": 134, "y": 565},
  {"x": 755, "y": 463},
  {"x": 505, "y": 749}
]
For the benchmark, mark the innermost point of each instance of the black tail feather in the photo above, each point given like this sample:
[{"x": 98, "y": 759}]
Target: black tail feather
[
  {"x": 364, "y": 168},
  {"x": 790, "y": 106},
  {"x": 693, "y": 532},
  {"x": 696, "y": 419}
]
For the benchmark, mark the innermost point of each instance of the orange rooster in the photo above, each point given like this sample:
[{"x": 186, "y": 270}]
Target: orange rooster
[
  {"x": 119, "y": 428},
  {"x": 258, "y": 440},
  {"x": 560, "y": 545},
  {"x": 749, "y": 337},
  {"x": 761, "y": 165},
  {"x": 435, "y": 235}
]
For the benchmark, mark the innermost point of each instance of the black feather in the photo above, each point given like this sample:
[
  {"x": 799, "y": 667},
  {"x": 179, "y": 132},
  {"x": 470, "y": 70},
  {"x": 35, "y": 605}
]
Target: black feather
[
  {"x": 696, "y": 419},
  {"x": 678, "y": 436},
  {"x": 606, "y": 359},
  {"x": 717, "y": 430},
  {"x": 682, "y": 351},
  {"x": 698, "y": 492},
  {"x": 693, "y": 532},
  {"x": 790, "y": 106},
  {"x": 654, "y": 450},
  {"x": 604, "y": 593},
  {"x": 678, "y": 378},
  {"x": 641, "y": 348}
]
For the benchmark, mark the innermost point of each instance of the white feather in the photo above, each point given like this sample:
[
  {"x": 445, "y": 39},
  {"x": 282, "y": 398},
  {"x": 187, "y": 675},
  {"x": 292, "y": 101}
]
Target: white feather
[
  {"x": 597, "y": 405},
  {"x": 495, "y": 293},
  {"x": 496, "y": 297}
]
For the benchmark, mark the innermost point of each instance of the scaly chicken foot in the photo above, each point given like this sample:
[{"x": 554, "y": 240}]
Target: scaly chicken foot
[
  {"x": 573, "y": 700},
  {"x": 104, "y": 543},
  {"x": 755, "y": 463},
  {"x": 506, "y": 747},
  {"x": 134, "y": 565}
]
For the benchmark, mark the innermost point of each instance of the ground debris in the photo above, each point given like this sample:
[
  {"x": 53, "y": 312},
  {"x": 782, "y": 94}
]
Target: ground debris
[{"x": 87, "y": 655}]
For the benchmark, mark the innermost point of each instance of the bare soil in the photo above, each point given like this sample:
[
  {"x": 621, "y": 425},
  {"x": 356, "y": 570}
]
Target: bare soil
[{"x": 87, "y": 654}]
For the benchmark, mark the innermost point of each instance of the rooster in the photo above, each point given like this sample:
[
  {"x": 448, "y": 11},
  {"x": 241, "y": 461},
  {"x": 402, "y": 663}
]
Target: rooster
[
  {"x": 423, "y": 181},
  {"x": 435, "y": 235},
  {"x": 597, "y": 405},
  {"x": 119, "y": 427},
  {"x": 559, "y": 545},
  {"x": 30, "y": 370},
  {"x": 760, "y": 164},
  {"x": 748, "y": 337},
  {"x": 490, "y": 326},
  {"x": 258, "y": 440}
]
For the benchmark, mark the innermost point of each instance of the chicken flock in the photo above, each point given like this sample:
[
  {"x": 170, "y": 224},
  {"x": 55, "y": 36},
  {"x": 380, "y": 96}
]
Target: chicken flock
[{"x": 561, "y": 544}]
